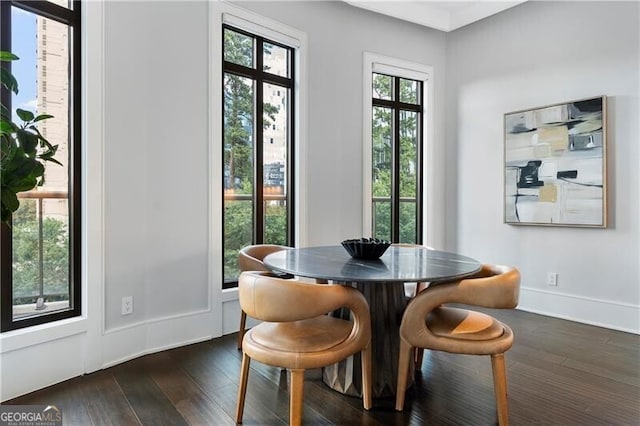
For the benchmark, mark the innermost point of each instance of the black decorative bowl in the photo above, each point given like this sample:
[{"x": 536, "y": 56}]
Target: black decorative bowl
[{"x": 366, "y": 248}]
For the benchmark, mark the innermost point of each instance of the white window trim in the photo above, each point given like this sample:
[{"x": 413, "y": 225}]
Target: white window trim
[
  {"x": 373, "y": 62},
  {"x": 224, "y": 13}
]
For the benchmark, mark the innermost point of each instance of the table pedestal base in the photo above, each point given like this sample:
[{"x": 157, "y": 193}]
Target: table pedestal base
[{"x": 387, "y": 302}]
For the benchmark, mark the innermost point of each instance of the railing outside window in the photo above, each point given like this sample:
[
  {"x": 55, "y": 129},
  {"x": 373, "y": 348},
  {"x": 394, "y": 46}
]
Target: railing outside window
[{"x": 40, "y": 254}]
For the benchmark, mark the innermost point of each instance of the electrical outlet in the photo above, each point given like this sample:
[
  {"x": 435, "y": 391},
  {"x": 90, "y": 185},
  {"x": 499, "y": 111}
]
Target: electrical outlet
[
  {"x": 127, "y": 305},
  {"x": 552, "y": 278}
]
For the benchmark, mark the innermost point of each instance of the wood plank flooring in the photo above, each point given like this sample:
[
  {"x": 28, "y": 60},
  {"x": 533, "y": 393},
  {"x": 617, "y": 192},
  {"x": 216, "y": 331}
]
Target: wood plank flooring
[{"x": 559, "y": 373}]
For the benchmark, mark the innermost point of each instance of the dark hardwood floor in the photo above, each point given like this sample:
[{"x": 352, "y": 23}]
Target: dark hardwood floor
[{"x": 558, "y": 372}]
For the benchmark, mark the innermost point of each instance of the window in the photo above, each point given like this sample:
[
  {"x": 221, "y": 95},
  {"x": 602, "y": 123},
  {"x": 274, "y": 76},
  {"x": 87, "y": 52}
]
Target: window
[
  {"x": 258, "y": 129},
  {"x": 395, "y": 120},
  {"x": 40, "y": 252}
]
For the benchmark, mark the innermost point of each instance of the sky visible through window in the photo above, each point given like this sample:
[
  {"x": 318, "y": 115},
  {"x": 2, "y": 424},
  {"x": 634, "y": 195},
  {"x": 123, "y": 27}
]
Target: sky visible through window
[{"x": 23, "y": 39}]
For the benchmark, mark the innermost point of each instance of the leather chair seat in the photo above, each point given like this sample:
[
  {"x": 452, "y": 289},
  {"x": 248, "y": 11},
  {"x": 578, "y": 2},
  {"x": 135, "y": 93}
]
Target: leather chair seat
[
  {"x": 311, "y": 335},
  {"x": 464, "y": 324}
]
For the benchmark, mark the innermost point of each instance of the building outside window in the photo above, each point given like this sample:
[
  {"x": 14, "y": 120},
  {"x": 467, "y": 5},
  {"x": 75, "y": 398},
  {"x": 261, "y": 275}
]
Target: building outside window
[
  {"x": 40, "y": 252},
  {"x": 258, "y": 128}
]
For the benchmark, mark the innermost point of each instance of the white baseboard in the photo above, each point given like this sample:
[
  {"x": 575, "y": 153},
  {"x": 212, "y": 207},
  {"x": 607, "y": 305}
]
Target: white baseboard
[
  {"x": 34, "y": 367},
  {"x": 126, "y": 343},
  {"x": 602, "y": 313}
]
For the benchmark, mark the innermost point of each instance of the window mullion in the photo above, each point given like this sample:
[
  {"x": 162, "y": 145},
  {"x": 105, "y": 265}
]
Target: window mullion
[
  {"x": 258, "y": 177},
  {"x": 420, "y": 168},
  {"x": 290, "y": 182},
  {"x": 75, "y": 177},
  {"x": 240, "y": 70},
  {"x": 276, "y": 79},
  {"x": 395, "y": 190},
  {"x": 393, "y": 104}
]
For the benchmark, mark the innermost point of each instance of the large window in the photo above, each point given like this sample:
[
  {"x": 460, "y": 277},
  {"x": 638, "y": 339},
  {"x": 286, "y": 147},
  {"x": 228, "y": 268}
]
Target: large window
[
  {"x": 258, "y": 144},
  {"x": 396, "y": 158},
  {"x": 39, "y": 252}
]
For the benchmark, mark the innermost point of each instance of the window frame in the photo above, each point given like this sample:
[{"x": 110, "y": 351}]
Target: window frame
[
  {"x": 259, "y": 77},
  {"x": 399, "y": 69},
  {"x": 397, "y": 107},
  {"x": 72, "y": 18}
]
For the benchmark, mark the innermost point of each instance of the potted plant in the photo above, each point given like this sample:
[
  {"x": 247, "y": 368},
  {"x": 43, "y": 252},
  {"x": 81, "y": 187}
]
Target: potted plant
[{"x": 23, "y": 149}]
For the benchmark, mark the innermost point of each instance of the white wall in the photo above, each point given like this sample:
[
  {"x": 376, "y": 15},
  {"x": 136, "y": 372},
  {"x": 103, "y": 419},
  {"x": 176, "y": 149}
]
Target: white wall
[
  {"x": 156, "y": 172},
  {"x": 338, "y": 34},
  {"x": 537, "y": 54}
]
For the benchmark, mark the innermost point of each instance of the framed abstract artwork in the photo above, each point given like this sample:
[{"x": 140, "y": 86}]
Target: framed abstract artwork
[{"x": 555, "y": 165}]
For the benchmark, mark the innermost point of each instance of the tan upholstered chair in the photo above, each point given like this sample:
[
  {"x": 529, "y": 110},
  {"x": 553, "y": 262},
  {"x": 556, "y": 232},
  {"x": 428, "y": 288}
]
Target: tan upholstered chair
[
  {"x": 428, "y": 324},
  {"x": 250, "y": 259},
  {"x": 297, "y": 335}
]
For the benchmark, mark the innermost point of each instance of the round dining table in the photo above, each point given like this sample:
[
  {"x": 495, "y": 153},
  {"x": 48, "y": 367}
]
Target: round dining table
[{"x": 382, "y": 281}]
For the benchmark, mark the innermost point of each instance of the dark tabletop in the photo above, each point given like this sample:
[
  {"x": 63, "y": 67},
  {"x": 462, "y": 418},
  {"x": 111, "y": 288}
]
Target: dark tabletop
[{"x": 400, "y": 264}]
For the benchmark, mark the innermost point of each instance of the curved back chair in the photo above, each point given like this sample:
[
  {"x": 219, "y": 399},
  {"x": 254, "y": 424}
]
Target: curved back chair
[
  {"x": 296, "y": 334},
  {"x": 428, "y": 324},
  {"x": 250, "y": 259}
]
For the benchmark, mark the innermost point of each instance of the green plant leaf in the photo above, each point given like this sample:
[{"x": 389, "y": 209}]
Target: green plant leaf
[
  {"x": 28, "y": 142},
  {"x": 6, "y": 127},
  {"x": 9, "y": 200},
  {"x": 8, "y": 80},
  {"x": 27, "y": 183},
  {"x": 38, "y": 168},
  {"x": 42, "y": 117},
  {"x": 7, "y": 56},
  {"x": 19, "y": 168},
  {"x": 26, "y": 174},
  {"x": 49, "y": 157},
  {"x": 43, "y": 141},
  {"x": 24, "y": 114},
  {"x": 9, "y": 148}
]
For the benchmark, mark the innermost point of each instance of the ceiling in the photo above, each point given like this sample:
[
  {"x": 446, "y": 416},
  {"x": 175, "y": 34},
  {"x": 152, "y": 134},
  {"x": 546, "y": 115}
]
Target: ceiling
[{"x": 441, "y": 15}]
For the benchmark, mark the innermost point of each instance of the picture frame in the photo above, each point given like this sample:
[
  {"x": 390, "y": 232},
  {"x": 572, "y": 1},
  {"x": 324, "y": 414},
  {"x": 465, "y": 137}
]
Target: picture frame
[{"x": 555, "y": 162}]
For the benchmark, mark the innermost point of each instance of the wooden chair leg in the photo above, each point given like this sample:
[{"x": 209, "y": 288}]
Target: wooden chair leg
[
  {"x": 367, "y": 379},
  {"x": 242, "y": 388},
  {"x": 296, "y": 395},
  {"x": 406, "y": 352},
  {"x": 243, "y": 324},
  {"x": 500, "y": 388}
]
